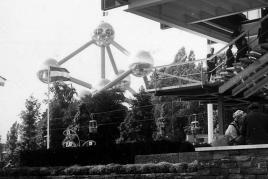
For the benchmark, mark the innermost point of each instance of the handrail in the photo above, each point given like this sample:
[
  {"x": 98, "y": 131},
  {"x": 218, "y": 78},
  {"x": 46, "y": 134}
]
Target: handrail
[
  {"x": 237, "y": 52},
  {"x": 235, "y": 39},
  {"x": 217, "y": 53}
]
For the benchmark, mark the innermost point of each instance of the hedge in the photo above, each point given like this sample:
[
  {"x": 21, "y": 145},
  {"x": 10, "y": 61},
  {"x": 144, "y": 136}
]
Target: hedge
[{"x": 100, "y": 154}]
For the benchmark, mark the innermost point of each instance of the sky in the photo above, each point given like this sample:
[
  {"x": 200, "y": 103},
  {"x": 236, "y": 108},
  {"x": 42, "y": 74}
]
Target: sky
[{"x": 32, "y": 31}]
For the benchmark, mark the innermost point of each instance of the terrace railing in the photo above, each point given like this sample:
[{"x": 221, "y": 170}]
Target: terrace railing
[{"x": 190, "y": 73}]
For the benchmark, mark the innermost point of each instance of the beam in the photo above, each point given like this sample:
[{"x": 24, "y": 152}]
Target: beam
[
  {"x": 180, "y": 24},
  {"x": 218, "y": 27},
  {"x": 102, "y": 62},
  {"x": 238, "y": 3},
  {"x": 224, "y": 8},
  {"x": 197, "y": 8},
  {"x": 232, "y": 10},
  {"x": 81, "y": 83},
  {"x": 256, "y": 87},
  {"x": 237, "y": 78},
  {"x": 173, "y": 87},
  {"x": 249, "y": 81},
  {"x": 115, "y": 81},
  {"x": 112, "y": 59},
  {"x": 140, "y": 4},
  {"x": 83, "y": 47},
  {"x": 263, "y": 1},
  {"x": 120, "y": 48}
]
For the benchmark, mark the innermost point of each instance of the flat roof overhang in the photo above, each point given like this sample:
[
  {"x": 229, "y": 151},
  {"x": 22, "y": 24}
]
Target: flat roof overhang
[{"x": 212, "y": 19}]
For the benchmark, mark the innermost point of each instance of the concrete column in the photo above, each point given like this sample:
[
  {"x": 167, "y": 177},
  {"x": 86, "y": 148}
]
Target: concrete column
[{"x": 210, "y": 122}]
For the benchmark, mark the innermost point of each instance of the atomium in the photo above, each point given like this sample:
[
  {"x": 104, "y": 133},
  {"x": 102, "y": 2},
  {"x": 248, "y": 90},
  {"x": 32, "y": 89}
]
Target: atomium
[{"x": 103, "y": 35}]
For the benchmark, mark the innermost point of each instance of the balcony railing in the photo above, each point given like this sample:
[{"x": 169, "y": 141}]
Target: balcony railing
[{"x": 193, "y": 73}]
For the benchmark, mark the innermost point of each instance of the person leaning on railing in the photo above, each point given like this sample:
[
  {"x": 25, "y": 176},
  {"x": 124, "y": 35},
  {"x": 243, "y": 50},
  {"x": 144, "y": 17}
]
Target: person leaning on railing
[
  {"x": 241, "y": 45},
  {"x": 211, "y": 64}
]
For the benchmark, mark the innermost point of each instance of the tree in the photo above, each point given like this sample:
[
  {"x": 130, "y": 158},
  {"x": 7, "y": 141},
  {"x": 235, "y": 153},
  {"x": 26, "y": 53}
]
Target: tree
[
  {"x": 181, "y": 56},
  {"x": 29, "y": 117},
  {"x": 139, "y": 124},
  {"x": 12, "y": 143},
  {"x": 63, "y": 107},
  {"x": 170, "y": 113},
  {"x": 191, "y": 56},
  {"x": 108, "y": 110}
]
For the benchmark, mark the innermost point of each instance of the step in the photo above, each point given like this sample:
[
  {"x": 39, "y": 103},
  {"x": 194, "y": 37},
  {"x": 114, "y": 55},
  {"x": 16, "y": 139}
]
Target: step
[{"x": 237, "y": 78}]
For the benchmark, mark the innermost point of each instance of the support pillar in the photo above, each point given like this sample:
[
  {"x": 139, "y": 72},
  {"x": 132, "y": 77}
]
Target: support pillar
[
  {"x": 210, "y": 122},
  {"x": 221, "y": 115}
]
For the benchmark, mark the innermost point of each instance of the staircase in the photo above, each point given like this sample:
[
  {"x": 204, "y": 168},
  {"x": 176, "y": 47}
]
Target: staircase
[{"x": 253, "y": 78}]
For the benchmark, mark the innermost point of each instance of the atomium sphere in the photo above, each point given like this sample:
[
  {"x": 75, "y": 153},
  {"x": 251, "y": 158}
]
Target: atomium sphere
[
  {"x": 83, "y": 93},
  {"x": 142, "y": 64},
  {"x": 42, "y": 74},
  {"x": 103, "y": 35},
  {"x": 102, "y": 83},
  {"x": 125, "y": 83}
]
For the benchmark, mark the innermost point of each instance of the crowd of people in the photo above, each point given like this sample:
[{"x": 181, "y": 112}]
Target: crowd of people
[{"x": 246, "y": 128}]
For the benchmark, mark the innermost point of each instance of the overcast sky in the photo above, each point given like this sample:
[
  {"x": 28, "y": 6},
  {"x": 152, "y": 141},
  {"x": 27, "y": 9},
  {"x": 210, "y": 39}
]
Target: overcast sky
[{"x": 32, "y": 31}]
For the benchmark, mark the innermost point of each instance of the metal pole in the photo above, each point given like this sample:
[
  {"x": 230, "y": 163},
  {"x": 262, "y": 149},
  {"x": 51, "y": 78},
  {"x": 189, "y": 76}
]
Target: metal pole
[
  {"x": 81, "y": 83},
  {"x": 120, "y": 48},
  {"x": 112, "y": 59},
  {"x": 102, "y": 62},
  {"x": 75, "y": 52},
  {"x": 48, "y": 110},
  {"x": 115, "y": 81}
]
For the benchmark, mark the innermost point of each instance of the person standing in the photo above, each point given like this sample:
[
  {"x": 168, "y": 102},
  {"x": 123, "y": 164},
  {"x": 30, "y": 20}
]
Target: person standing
[
  {"x": 211, "y": 64},
  {"x": 230, "y": 57},
  {"x": 234, "y": 130},
  {"x": 241, "y": 45},
  {"x": 255, "y": 128}
]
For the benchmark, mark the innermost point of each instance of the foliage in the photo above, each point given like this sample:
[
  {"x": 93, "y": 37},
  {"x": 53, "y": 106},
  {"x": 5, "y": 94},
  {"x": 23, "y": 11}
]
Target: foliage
[
  {"x": 101, "y": 153},
  {"x": 172, "y": 114},
  {"x": 12, "y": 143},
  {"x": 181, "y": 56},
  {"x": 63, "y": 107},
  {"x": 182, "y": 71},
  {"x": 75, "y": 170},
  {"x": 139, "y": 124},
  {"x": 28, "y": 130},
  {"x": 108, "y": 110}
]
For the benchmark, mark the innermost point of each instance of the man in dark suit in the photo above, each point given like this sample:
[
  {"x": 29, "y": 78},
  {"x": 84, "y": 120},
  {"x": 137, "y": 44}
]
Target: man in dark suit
[{"x": 255, "y": 128}]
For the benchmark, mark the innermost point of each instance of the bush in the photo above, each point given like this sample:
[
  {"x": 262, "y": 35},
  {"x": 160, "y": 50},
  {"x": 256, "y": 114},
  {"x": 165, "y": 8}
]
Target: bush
[
  {"x": 162, "y": 167},
  {"x": 100, "y": 154}
]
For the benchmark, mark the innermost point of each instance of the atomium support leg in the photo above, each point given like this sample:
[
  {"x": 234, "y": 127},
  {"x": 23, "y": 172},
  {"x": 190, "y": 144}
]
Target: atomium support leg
[
  {"x": 112, "y": 59},
  {"x": 79, "y": 82},
  {"x": 75, "y": 52},
  {"x": 102, "y": 62},
  {"x": 120, "y": 48},
  {"x": 132, "y": 91},
  {"x": 115, "y": 81}
]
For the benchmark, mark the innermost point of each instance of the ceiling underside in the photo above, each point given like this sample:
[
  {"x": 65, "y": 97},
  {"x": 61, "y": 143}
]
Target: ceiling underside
[{"x": 213, "y": 19}]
